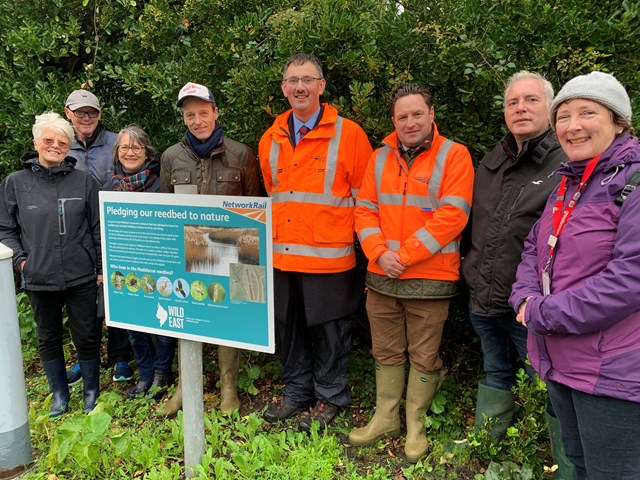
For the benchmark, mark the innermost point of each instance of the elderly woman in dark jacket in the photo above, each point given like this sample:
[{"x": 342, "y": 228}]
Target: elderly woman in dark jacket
[
  {"x": 49, "y": 217},
  {"x": 137, "y": 169}
]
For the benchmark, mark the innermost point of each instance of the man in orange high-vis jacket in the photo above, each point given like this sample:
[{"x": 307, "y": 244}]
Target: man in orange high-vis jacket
[
  {"x": 411, "y": 210},
  {"x": 312, "y": 163}
]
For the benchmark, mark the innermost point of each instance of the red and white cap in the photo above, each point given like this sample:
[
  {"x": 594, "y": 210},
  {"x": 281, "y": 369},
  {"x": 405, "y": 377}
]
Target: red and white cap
[{"x": 195, "y": 90}]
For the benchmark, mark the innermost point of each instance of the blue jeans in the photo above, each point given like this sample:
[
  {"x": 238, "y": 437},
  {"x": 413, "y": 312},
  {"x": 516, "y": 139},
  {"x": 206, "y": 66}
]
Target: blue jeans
[
  {"x": 502, "y": 339},
  {"x": 600, "y": 434},
  {"x": 152, "y": 358}
]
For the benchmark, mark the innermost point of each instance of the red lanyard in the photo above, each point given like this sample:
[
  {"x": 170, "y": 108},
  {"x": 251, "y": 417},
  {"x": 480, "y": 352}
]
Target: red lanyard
[{"x": 561, "y": 215}]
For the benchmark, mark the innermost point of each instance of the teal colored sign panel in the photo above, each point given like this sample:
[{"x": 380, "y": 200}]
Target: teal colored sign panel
[{"x": 197, "y": 267}]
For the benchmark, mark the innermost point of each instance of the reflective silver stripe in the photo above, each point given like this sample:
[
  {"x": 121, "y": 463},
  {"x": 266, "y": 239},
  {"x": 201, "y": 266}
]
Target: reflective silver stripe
[
  {"x": 331, "y": 166},
  {"x": 459, "y": 202},
  {"x": 451, "y": 247},
  {"x": 428, "y": 240},
  {"x": 433, "y": 245},
  {"x": 435, "y": 182},
  {"x": 368, "y": 204},
  {"x": 313, "y": 198},
  {"x": 274, "y": 155},
  {"x": 308, "y": 251},
  {"x": 354, "y": 192},
  {"x": 392, "y": 244},
  {"x": 420, "y": 201},
  {"x": 381, "y": 158},
  {"x": 438, "y": 169},
  {"x": 367, "y": 232},
  {"x": 390, "y": 199},
  {"x": 332, "y": 157}
]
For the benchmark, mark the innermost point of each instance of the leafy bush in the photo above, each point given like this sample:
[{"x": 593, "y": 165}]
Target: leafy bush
[{"x": 136, "y": 55}]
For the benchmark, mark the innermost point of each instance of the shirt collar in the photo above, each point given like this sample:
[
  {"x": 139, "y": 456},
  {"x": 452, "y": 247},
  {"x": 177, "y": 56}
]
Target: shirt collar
[{"x": 309, "y": 123}]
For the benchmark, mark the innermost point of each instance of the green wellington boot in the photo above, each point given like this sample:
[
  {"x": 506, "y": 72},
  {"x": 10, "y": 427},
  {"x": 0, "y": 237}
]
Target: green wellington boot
[
  {"x": 171, "y": 407},
  {"x": 494, "y": 403},
  {"x": 386, "y": 419},
  {"x": 229, "y": 359},
  {"x": 565, "y": 467},
  {"x": 421, "y": 387}
]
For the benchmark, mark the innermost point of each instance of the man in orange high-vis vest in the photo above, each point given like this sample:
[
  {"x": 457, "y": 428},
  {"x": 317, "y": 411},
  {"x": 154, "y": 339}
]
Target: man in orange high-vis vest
[
  {"x": 312, "y": 163},
  {"x": 411, "y": 210}
]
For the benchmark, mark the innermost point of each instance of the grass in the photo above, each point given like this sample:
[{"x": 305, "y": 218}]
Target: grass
[{"x": 125, "y": 439}]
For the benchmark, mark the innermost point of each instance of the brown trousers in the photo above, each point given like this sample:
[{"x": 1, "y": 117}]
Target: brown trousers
[{"x": 400, "y": 325}]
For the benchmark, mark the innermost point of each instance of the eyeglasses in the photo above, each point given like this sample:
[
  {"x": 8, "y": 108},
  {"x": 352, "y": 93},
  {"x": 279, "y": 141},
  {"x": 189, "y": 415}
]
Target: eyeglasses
[
  {"x": 133, "y": 148},
  {"x": 86, "y": 113},
  {"x": 293, "y": 81},
  {"x": 50, "y": 141}
]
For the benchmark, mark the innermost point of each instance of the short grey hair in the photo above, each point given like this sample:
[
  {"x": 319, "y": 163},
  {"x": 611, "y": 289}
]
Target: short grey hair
[
  {"x": 301, "y": 59},
  {"x": 547, "y": 88},
  {"x": 52, "y": 121},
  {"x": 137, "y": 135}
]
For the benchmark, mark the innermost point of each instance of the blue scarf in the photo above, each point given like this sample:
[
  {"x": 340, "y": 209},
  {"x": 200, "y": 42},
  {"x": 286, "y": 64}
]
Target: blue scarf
[{"x": 203, "y": 149}]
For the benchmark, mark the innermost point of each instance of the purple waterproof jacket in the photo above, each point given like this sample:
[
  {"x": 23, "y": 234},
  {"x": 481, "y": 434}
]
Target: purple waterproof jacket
[{"x": 586, "y": 333}]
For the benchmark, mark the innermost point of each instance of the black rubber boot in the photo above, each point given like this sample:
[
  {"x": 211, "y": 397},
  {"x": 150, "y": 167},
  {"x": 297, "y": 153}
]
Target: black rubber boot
[
  {"x": 57, "y": 378},
  {"x": 91, "y": 382}
]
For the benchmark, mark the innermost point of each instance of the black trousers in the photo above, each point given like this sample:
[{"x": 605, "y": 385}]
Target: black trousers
[
  {"x": 314, "y": 352},
  {"x": 86, "y": 329},
  {"x": 118, "y": 345}
]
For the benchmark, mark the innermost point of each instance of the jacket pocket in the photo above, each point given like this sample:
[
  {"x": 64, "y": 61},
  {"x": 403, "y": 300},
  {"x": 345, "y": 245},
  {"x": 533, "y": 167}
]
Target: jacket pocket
[
  {"x": 426, "y": 213},
  {"x": 324, "y": 232},
  {"x": 228, "y": 182},
  {"x": 23, "y": 272},
  {"x": 181, "y": 178}
]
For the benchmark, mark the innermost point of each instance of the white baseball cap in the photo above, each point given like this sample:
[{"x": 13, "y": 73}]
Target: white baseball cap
[{"x": 195, "y": 90}]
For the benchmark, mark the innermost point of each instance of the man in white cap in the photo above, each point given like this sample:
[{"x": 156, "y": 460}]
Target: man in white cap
[
  {"x": 92, "y": 150},
  {"x": 215, "y": 165}
]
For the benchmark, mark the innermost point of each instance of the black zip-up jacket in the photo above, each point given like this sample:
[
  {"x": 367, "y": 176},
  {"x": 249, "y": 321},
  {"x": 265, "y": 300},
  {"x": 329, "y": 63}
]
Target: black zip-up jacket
[
  {"x": 50, "y": 217},
  {"x": 509, "y": 194}
]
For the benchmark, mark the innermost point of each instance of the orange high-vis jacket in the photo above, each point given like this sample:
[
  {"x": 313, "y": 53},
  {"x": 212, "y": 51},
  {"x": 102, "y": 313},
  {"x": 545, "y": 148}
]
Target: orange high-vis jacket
[
  {"x": 313, "y": 189},
  {"x": 419, "y": 212}
]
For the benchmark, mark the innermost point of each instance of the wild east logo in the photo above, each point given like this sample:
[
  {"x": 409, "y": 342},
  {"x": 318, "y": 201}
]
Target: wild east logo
[
  {"x": 162, "y": 315},
  {"x": 175, "y": 315}
]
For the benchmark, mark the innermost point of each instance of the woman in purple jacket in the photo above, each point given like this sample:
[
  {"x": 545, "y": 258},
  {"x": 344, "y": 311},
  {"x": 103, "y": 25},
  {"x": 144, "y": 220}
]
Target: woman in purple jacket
[{"x": 578, "y": 286}]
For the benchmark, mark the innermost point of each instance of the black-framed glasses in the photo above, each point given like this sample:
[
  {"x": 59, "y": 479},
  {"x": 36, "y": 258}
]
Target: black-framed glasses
[
  {"x": 86, "y": 113},
  {"x": 133, "y": 148},
  {"x": 293, "y": 81}
]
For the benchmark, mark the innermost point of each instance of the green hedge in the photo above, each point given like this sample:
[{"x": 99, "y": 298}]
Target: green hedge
[{"x": 135, "y": 55}]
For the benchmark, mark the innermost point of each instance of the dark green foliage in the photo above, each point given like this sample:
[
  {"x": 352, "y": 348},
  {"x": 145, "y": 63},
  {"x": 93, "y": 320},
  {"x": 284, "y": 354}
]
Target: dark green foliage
[{"x": 135, "y": 55}]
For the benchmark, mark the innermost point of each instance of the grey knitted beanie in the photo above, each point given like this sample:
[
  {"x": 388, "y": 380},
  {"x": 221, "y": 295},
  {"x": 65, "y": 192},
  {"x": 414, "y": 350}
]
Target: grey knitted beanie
[{"x": 599, "y": 87}]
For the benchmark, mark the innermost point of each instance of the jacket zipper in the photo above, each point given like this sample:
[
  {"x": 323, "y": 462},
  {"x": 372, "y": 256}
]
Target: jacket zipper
[{"x": 513, "y": 205}]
